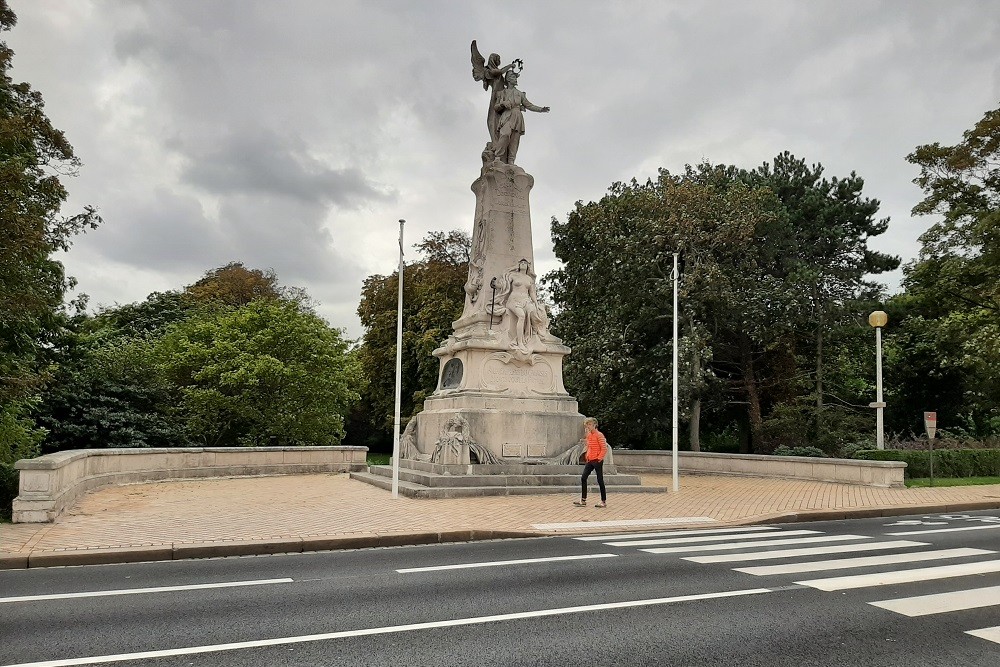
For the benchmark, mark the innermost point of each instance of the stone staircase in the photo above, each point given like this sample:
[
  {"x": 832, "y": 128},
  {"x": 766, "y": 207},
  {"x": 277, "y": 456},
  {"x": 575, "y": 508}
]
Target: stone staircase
[{"x": 418, "y": 479}]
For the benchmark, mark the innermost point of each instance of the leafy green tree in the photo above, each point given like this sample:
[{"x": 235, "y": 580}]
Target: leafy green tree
[
  {"x": 831, "y": 223},
  {"x": 946, "y": 346},
  {"x": 771, "y": 259},
  {"x": 33, "y": 157},
  {"x": 433, "y": 298},
  {"x": 267, "y": 373},
  {"x": 107, "y": 391}
]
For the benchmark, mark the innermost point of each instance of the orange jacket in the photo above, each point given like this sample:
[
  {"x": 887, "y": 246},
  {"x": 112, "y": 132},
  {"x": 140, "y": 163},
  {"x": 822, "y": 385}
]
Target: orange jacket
[{"x": 597, "y": 446}]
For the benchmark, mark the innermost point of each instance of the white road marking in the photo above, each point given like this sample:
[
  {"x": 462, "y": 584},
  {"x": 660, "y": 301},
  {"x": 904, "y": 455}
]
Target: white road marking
[
  {"x": 753, "y": 545},
  {"x": 806, "y": 551},
  {"x": 706, "y": 538},
  {"x": 866, "y": 561},
  {"x": 704, "y": 531},
  {"x": 136, "y": 591},
  {"x": 989, "y": 634},
  {"x": 902, "y": 576},
  {"x": 944, "y": 530},
  {"x": 924, "y": 605},
  {"x": 457, "y": 622},
  {"x": 673, "y": 521},
  {"x": 496, "y": 563}
]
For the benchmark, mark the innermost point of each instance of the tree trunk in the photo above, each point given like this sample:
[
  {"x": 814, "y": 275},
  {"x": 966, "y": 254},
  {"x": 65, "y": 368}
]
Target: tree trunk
[
  {"x": 695, "y": 425},
  {"x": 753, "y": 395}
]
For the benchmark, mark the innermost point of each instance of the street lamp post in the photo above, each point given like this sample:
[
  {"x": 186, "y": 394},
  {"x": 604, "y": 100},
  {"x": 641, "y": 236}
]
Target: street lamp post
[{"x": 878, "y": 319}]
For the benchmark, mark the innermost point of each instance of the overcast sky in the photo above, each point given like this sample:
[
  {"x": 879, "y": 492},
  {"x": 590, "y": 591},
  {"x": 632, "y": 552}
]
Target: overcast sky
[{"x": 293, "y": 135}]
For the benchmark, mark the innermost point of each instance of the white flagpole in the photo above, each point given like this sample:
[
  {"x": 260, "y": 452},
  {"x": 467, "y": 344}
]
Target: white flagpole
[
  {"x": 399, "y": 370},
  {"x": 675, "y": 429}
]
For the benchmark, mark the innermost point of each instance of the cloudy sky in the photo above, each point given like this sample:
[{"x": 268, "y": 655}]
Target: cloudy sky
[{"x": 293, "y": 135}]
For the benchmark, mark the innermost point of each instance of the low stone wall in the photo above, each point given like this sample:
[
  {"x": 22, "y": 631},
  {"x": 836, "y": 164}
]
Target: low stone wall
[
  {"x": 50, "y": 483},
  {"x": 847, "y": 471}
]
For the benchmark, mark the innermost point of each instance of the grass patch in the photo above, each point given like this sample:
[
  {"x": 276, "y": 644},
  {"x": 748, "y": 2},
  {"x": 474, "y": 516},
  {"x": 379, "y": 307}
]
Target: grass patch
[
  {"x": 379, "y": 459},
  {"x": 951, "y": 481}
]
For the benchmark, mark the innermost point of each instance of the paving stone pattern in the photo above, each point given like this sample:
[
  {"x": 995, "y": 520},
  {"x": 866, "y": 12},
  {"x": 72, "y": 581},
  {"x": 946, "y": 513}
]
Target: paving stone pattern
[{"x": 332, "y": 505}]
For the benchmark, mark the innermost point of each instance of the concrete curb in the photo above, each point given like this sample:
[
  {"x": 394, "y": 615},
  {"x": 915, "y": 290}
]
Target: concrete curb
[
  {"x": 227, "y": 548},
  {"x": 220, "y": 549}
]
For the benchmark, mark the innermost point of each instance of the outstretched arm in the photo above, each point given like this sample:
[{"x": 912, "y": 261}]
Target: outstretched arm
[{"x": 533, "y": 107}]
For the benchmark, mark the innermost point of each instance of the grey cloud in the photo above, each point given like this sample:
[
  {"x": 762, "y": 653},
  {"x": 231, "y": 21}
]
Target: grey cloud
[{"x": 261, "y": 162}]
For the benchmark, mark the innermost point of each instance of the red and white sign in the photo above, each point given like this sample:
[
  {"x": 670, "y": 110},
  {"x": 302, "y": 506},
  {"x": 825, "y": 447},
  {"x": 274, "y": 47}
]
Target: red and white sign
[{"x": 930, "y": 424}]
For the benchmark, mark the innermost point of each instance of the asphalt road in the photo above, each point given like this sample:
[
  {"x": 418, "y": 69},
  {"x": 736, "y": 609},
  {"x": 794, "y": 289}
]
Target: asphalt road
[{"x": 791, "y": 594}]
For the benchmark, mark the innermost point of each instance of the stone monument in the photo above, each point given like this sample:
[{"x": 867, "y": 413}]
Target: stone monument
[{"x": 500, "y": 396}]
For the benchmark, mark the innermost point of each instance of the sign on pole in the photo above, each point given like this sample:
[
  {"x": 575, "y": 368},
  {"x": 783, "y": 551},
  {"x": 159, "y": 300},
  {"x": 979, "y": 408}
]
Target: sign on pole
[{"x": 930, "y": 424}]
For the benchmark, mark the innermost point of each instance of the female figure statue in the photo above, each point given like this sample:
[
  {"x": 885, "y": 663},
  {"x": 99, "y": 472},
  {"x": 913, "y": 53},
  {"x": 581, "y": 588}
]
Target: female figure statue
[{"x": 523, "y": 314}]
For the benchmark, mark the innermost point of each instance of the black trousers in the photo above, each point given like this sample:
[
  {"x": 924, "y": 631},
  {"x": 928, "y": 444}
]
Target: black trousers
[{"x": 597, "y": 466}]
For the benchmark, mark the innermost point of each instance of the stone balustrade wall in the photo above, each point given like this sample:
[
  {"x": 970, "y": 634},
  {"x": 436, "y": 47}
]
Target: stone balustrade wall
[
  {"x": 847, "y": 471},
  {"x": 50, "y": 483}
]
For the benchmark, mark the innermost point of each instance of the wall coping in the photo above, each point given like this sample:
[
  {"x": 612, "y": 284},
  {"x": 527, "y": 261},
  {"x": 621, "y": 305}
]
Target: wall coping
[
  {"x": 60, "y": 459},
  {"x": 51, "y": 483},
  {"x": 846, "y": 471}
]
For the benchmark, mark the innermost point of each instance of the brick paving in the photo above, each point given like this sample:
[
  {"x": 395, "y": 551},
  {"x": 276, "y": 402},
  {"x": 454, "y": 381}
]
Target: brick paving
[{"x": 262, "y": 509}]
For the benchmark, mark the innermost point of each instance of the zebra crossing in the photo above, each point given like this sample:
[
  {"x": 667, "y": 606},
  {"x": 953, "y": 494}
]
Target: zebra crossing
[{"x": 797, "y": 549}]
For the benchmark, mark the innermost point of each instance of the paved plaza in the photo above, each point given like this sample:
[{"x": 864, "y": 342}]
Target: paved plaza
[{"x": 231, "y": 516}]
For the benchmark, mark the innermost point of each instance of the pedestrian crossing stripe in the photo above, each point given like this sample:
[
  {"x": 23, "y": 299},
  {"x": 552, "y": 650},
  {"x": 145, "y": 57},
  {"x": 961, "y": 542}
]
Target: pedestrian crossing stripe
[
  {"x": 706, "y": 538},
  {"x": 669, "y": 533},
  {"x": 754, "y": 545},
  {"x": 805, "y": 551},
  {"x": 940, "y": 603},
  {"x": 902, "y": 576},
  {"x": 989, "y": 634},
  {"x": 866, "y": 561}
]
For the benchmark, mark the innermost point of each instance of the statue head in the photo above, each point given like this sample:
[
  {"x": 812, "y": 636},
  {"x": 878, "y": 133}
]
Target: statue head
[
  {"x": 494, "y": 60},
  {"x": 510, "y": 77}
]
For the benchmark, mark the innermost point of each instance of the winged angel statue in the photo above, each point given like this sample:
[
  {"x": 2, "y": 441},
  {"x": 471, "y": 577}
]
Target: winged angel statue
[{"x": 504, "y": 118}]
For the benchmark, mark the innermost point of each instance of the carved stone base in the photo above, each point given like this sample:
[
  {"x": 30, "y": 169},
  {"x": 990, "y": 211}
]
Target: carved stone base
[{"x": 512, "y": 428}]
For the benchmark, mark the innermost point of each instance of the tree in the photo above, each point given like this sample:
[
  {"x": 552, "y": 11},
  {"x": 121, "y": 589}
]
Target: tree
[
  {"x": 614, "y": 305},
  {"x": 767, "y": 255},
  {"x": 33, "y": 157},
  {"x": 236, "y": 285},
  {"x": 433, "y": 298},
  {"x": 831, "y": 223},
  {"x": 949, "y": 318},
  {"x": 266, "y": 373}
]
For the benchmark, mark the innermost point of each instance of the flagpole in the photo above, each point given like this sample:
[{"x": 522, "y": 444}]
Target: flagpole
[
  {"x": 675, "y": 426},
  {"x": 399, "y": 370}
]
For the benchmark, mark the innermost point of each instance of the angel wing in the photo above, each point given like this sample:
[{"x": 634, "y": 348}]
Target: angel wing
[{"x": 479, "y": 66}]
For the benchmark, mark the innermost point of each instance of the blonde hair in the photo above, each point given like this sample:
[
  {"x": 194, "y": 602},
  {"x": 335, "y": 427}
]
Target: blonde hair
[{"x": 590, "y": 420}]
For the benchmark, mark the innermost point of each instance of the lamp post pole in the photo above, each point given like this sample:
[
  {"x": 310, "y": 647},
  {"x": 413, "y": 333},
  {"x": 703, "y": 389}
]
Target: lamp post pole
[
  {"x": 878, "y": 319},
  {"x": 399, "y": 370}
]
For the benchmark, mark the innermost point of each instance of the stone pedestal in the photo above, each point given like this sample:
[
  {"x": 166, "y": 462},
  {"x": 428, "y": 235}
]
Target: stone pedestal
[{"x": 501, "y": 369}]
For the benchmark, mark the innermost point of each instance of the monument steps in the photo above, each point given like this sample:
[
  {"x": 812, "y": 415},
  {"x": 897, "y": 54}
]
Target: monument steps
[{"x": 423, "y": 484}]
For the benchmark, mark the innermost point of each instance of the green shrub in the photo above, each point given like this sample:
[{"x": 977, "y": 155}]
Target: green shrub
[
  {"x": 947, "y": 462},
  {"x": 799, "y": 451}
]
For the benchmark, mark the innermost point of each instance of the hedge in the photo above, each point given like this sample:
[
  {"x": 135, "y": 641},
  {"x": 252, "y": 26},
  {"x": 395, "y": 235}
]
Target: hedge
[{"x": 947, "y": 462}]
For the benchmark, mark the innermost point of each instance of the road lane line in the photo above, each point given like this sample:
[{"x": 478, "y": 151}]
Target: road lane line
[
  {"x": 753, "y": 545},
  {"x": 944, "y": 530},
  {"x": 701, "y": 531},
  {"x": 137, "y": 591},
  {"x": 924, "y": 605},
  {"x": 495, "y": 563},
  {"x": 866, "y": 561},
  {"x": 989, "y": 634},
  {"x": 672, "y": 521},
  {"x": 708, "y": 538},
  {"x": 902, "y": 576},
  {"x": 805, "y": 551},
  {"x": 457, "y": 622}
]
